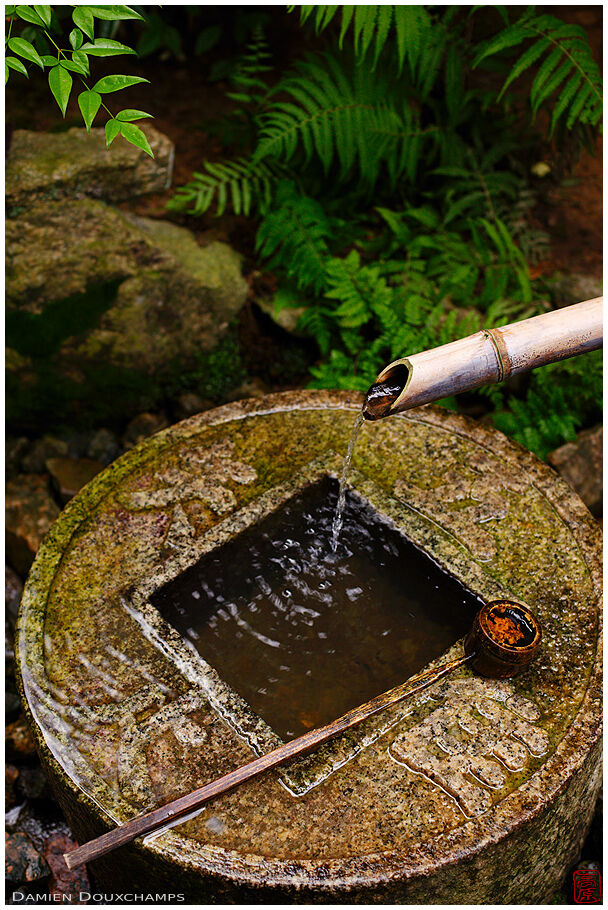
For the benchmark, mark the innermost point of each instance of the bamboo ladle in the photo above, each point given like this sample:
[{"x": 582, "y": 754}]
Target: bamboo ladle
[{"x": 504, "y": 638}]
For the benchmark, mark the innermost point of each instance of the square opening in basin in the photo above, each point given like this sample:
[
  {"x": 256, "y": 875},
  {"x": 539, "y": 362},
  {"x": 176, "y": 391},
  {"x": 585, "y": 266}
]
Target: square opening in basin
[{"x": 304, "y": 634}]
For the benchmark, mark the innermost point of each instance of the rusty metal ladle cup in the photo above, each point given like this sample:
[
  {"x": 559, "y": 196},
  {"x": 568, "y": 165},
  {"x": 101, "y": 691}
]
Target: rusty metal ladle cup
[{"x": 504, "y": 638}]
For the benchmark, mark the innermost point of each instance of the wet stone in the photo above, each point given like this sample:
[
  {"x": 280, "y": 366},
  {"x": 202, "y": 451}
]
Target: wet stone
[
  {"x": 69, "y": 475},
  {"x": 438, "y": 797},
  {"x": 30, "y": 512},
  {"x": 103, "y": 446},
  {"x": 19, "y": 742},
  {"x": 23, "y": 863}
]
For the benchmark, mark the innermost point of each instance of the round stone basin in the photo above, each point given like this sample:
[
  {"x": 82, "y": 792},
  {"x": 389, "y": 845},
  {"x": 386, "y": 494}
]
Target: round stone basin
[{"x": 473, "y": 791}]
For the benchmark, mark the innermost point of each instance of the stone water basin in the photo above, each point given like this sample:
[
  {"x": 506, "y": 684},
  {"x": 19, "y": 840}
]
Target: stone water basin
[{"x": 473, "y": 791}]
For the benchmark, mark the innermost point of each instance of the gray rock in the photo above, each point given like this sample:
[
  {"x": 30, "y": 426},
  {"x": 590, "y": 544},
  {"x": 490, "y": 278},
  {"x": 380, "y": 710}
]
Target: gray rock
[
  {"x": 141, "y": 427},
  {"x": 190, "y": 403},
  {"x": 580, "y": 464},
  {"x": 43, "y": 449},
  {"x": 103, "y": 446},
  {"x": 75, "y": 164},
  {"x": 286, "y": 318},
  {"x": 30, "y": 512},
  {"x": 166, "y": 299},
  {"x": 568, "y": 289}
]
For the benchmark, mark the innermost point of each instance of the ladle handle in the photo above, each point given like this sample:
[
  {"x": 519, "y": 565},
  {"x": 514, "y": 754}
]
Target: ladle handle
[{"x": 151, "y": 821}]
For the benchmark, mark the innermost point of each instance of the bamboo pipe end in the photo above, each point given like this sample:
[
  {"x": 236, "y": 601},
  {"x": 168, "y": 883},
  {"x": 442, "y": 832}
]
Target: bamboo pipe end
[{"x": 385, "y": 391}]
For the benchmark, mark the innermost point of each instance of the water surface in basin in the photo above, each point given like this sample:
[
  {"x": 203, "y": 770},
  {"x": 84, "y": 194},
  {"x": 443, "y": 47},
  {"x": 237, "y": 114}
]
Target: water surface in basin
[{"x": 304, "y": 633}]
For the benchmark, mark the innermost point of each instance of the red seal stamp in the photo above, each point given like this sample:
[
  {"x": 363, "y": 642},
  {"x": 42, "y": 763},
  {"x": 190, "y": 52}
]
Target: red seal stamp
[{"x": 587, "y": 886}]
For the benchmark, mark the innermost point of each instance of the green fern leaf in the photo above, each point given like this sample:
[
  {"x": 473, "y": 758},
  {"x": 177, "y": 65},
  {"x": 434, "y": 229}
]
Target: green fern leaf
[{"x": 293, "y": 235}]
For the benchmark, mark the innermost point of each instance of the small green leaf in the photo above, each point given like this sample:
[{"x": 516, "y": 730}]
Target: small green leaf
[
  {"x": 207, "y": 39},
  {"x": 49, "y": 60},
  {"x": 112, "y": 13},
  {"x": 45, "y": 14},
  {"x": 136, "y": 137},
  {"x": 89, "y": 103},
  {"x": 79, "y": 57},
  {"x": 115, "y": 83},
  {"x": 74, "y": 66},
  {"x": 9, "y": 11},
  {"x": 106, "y": 47},
  {"x": 60, "y": 83},
  {"x": 28, "y": 14},
  {"x": 76, "y": 38},
  {"x": 112, "y": 131},
  {"x": 83, "y": 18},
  {"x": 26, "y": 50},
  {"x": 16, "y": 64},
  {"x": 6, "y": 72},
  {"x": 130, "y": 114}
]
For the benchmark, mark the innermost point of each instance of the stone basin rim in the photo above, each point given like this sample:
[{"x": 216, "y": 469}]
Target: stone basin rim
[{"x": 474, "y": 835}]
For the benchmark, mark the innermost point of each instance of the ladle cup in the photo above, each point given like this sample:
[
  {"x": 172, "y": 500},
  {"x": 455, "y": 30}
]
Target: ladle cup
[{"x": 504, "y": 638}]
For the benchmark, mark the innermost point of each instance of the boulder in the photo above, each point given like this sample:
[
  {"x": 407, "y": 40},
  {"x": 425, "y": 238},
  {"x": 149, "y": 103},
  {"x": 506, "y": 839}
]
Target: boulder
[
  {"x": 99, "y": 285},
  {"x": 75, "y": 164},
  {"x": 580, "y": 464}
]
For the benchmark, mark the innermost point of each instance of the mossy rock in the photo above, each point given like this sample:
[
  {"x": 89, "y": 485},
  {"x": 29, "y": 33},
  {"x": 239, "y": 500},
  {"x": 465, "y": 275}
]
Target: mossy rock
[{"x": 76, "y": 164}]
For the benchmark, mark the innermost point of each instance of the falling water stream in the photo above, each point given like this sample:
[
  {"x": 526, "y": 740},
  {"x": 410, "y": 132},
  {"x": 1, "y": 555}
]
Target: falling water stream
[{"x": 339, "y": 514}]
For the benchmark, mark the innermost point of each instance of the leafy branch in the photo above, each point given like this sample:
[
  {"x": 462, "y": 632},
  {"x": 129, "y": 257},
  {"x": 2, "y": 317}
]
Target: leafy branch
[{"x": 41, "y": 23}]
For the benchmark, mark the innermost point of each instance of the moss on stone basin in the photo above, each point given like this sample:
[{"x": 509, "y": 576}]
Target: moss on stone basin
[{"x": 473, "y": 791}]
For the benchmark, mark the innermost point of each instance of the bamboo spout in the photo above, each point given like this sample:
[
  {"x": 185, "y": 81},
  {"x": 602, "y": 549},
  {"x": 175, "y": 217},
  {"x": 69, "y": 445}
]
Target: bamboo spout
[{"x": 487, "y": 356}]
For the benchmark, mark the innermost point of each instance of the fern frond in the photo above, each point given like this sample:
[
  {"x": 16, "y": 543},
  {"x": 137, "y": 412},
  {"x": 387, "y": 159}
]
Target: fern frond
[
  {"x": 293, "y": 236},
  {"x": 317, "y": 322},
  {"x": 250, "y": 86},
  {"x": 568, "y": 75},
  {"x": 343, "y": 117},
  {"x": 243, "y": 183},
  {"x": 372, "y": 26}
]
